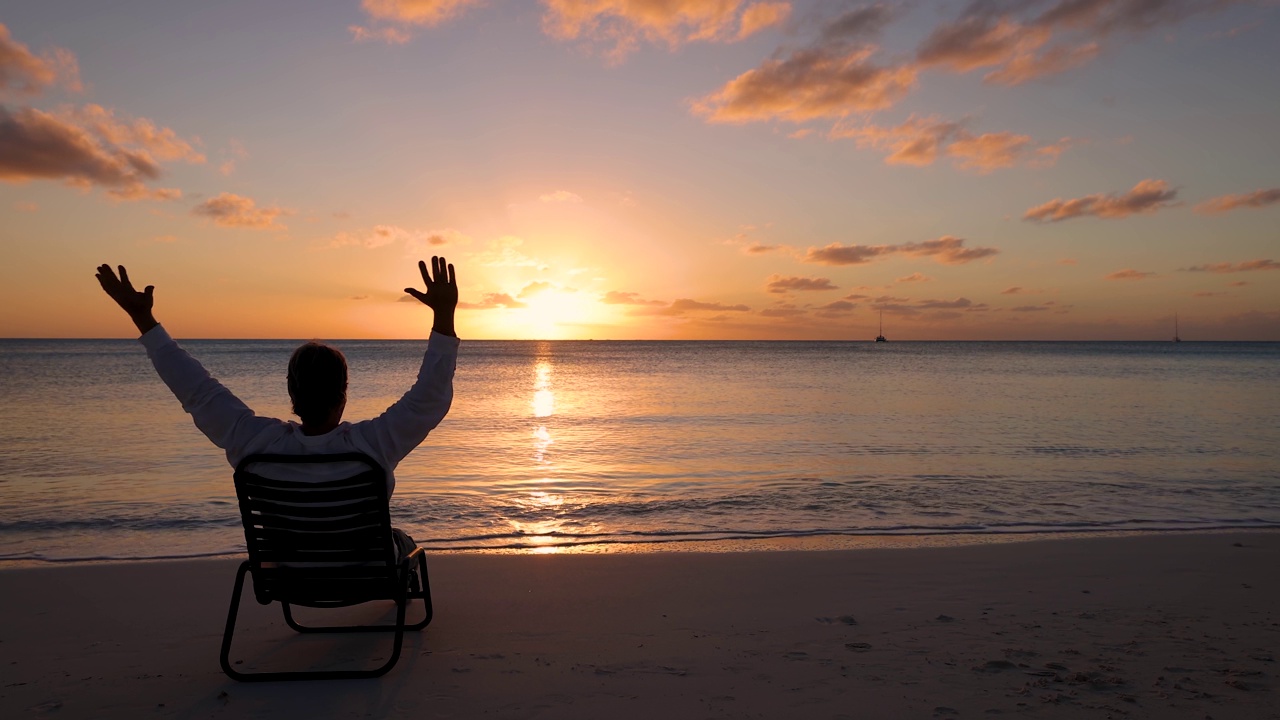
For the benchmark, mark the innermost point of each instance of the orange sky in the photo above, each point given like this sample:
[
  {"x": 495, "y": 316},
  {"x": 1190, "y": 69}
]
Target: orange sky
[{"x": 644, "y": 169}]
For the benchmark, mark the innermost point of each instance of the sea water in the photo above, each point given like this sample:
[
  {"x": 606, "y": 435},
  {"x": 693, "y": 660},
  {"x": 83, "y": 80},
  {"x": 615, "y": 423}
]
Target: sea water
[{"x": 606, "y": 445}]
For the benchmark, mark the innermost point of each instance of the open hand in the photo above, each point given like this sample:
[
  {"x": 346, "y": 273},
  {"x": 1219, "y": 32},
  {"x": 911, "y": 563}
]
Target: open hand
[
  {"x": 442, "y": 291},
  {"x": 137, "y": 304},
  {"x": 441, "y": 295}
]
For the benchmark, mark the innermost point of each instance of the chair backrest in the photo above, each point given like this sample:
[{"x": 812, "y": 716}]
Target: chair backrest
[{"x": 317, "y": 527}]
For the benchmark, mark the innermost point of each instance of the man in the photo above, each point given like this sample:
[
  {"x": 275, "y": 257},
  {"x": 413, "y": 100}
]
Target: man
[{"x": 317, "y": 380}]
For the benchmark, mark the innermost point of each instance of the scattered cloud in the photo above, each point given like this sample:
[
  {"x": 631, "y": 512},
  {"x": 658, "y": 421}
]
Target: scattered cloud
[
  {"x": 1040, "y": 41},
  {"x": 758, "y": 249},
  {"x": 1225, "y": 203},
  {"x": 621, "y": 25},
  {"x": 781, "y": 285},
  {"x": 395, "y": 18},
  {"x": 1237, "y": 283},
  {"x": 615, "y": 297},
  {"x": 783, "y": 310},
  {"x": 26, "y": 206},
  {"x": 560, "y": 196},
  {"x": 375, "y": 237},
  {"x": 920, "y": 141},
  {"x": 23, "y": 73},
  {"x": 1129, "y": 274},
  {"x": 493, "y": 301},
  {"x": 358, "y": 297},
  {"x": 160, "y": 142},
  {"x": 1015, "y": 290},
  {"x": 831, "y": 81},
  {"x": 1030, "y": 308},
  {"x": 1245, "y": 266},
  {"x": 914, "y": 277},
  {"x": 236, "y": 211},
  {"x": 838, "y": 307},
  {"x": 761, "y": 15},
  {"x": 686, "y": 305},
  {"x": 947, "y": 250},
  {"x": 1069, "y": 262},
  {"x": 1147, "y": 196},
  {"x": 1208, "y": 294},
  {"x": 36, "y": 145},
  {"x": 535, "y": 288}
]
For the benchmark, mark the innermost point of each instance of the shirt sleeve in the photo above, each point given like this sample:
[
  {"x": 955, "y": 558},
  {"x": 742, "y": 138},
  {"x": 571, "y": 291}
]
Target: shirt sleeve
[
  {"x": 405, "y": 424},
  {"x": 217, "y": 412}
]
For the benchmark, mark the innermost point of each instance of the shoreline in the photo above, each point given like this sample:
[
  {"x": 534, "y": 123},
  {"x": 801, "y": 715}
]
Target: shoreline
[{"x": 818, "y": 542}]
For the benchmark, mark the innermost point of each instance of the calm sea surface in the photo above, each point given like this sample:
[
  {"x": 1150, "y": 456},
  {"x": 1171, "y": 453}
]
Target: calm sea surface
[{"x": 614, "y": 443}]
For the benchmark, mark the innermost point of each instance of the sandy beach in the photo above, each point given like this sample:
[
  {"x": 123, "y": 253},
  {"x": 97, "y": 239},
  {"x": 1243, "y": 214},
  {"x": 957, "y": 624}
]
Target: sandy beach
[{"x": 1159, "y": 626}]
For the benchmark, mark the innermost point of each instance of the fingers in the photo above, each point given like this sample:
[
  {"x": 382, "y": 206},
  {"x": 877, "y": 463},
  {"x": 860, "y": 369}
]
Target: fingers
[
  {"x": 452, "y": 280},
  {"x": 422, "y": 268},
  {"x": 437, "y": 268},
  {"x": 421, "y": 297},
  {"x": 150, "y": 291},
  {"x": 124, "y": 277}
]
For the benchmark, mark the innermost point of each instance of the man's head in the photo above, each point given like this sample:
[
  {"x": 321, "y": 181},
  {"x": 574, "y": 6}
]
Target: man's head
[{"x": 318, "y": 384}]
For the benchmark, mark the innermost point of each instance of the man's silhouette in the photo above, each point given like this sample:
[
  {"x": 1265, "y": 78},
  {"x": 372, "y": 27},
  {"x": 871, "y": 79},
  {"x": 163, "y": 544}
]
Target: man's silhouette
[{"x": 317, "y": 381}]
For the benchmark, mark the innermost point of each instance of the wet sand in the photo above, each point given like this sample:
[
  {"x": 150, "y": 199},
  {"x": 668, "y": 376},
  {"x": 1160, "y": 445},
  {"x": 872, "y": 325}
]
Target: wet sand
[{"x": 1159, "y": 626}]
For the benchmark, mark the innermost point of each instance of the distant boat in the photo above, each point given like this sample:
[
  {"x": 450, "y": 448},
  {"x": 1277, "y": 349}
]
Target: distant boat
[
  {"x": 880, "y": 337},
  {"x": 1175, "y": 328}
]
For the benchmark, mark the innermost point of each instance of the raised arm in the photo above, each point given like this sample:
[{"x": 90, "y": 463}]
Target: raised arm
[
  {"x": 406, "y": 423},
  {"x": 217, "y": 412}
]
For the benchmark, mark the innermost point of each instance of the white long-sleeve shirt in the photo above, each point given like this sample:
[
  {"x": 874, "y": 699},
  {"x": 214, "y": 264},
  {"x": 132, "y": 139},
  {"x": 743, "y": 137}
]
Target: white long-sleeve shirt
[{"x": 232, "y": 426}]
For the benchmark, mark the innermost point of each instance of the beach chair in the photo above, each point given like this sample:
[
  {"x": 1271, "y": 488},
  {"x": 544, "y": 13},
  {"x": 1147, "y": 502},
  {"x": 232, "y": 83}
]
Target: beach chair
[{"x": 320, "y": 537}]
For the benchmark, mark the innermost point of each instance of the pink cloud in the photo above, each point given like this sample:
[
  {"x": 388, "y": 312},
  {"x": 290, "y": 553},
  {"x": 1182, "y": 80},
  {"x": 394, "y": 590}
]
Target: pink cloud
[
  {"x": 1129, "y": 274},
  {"x": 235, "y": 211},
  {"x": 22, "y": 72},
  {"x": 1245, "y": 266},
  {"x": 947, "y": 250},
  {"x": 780, "y": 285},
  {"x": 1225, "y": 203},
  {"x": 1147, "y": 196}
]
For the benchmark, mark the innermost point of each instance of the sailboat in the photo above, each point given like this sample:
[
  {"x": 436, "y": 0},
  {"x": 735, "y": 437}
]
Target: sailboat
[
  {"x": 1175, "y": 328},
  {"x": 880, "y": 337}
]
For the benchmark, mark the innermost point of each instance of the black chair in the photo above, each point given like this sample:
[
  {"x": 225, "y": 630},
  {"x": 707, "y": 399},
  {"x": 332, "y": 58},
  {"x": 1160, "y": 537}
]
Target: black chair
[{"x": 322, "y": 543}]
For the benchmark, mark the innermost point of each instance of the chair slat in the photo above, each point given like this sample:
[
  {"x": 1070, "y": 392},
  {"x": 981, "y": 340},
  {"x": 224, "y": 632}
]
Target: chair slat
[
  {"x": 341, "y": 493},
  {"x": 348, "y": 523},
  {"x": 315, "y": 510}
]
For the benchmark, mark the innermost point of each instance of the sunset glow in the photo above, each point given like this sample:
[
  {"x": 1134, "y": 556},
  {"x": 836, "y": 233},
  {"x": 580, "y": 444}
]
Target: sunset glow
[{"x": 646, "y": 170}]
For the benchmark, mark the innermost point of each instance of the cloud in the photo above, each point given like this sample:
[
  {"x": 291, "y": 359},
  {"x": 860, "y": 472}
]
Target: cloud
[
  {"x": 1237, "y": 283},
  {"x": 816, "y": 82},
  {"x": 758, "y": 249},
  {"x": 914, "y": 277},
  {"x": 35, "y": 145},
  {"x": 906, "y": 306},
  {"x": 622, "y": 25},
  {"x": 23, "y": 73},
  {"x": 1225, "y": 203},
  {"x": 1068, "y": 34},
  {"x": 615, "y": 297},
  {"x": 1129, "y": 274},
  {"x": 1015, "y": 290},
  {"x": 233, "y": 154},
  {"x": 989, "y": 151},
  {"x": 26, "y": 206},
  {"x": 560, "y": 196},
  {"x": 686, "y": 305},
  {"x": 492, "y": 301},
  {"x": 920, "y": 141},
  {"x": 947, "y": 250},
  {"x": 359, "y": 297},
  {"x": 1206, "y": 294},
  {"x": 838, "y": 307},
  {"x": 388, "y": 35},
  {"x": 236, "y": 211},
  {"x": 761, "y": 15},
  {"x": 1147, "y": 196},
  {"x": 781, "y": 285},
  {"x": 534, "y": 288},
  {"x": 1245, "y": 266},
  {"x": 1030, "y": 308},
  {"x": 857, "y": 25},
  {"x": 376, "y": 237},
  {"x": 160, "y": 142},
  {"x": 783, "y": 310},
  {"x": 417, "y": 12}
]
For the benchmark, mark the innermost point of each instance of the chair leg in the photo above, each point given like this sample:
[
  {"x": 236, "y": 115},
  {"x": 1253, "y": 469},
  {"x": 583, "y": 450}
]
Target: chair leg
[
  {"x": 225, "y": 656},
  {"x": 424, "y": 593}
]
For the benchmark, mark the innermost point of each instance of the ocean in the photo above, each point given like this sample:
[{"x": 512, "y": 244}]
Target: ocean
[{"x": 604, "y": 445}]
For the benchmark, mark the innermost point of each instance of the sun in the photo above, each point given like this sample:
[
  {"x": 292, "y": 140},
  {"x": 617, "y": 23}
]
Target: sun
[{"x": 556, "y": 314}]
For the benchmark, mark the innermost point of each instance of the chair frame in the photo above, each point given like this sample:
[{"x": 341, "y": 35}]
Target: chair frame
[{"x": 273, "y": 541}]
